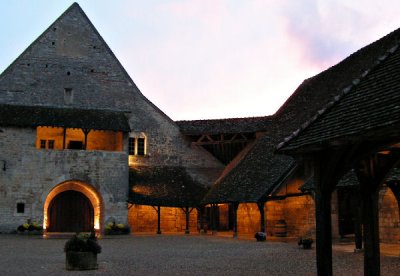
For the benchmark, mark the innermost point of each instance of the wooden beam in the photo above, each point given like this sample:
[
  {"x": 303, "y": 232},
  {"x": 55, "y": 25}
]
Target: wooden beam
[{"x": 202, "y": 143}]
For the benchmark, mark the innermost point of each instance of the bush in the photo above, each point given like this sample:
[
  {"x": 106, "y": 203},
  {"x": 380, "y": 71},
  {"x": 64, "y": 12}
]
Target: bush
[
  {"x": 34, "y": 226},
  {"x": 83, "y": 243},
  {"x": 116, "y": 229}
]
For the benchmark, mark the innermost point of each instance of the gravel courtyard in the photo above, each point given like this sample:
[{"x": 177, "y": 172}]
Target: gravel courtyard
[{"x": 177, "y": 255}]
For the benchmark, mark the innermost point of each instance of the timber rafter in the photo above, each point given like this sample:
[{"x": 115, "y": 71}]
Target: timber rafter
[{"x": 207, "y": 139}]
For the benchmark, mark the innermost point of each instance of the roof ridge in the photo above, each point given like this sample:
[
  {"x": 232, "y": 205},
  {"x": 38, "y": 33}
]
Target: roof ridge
[
  {"x": 336, "y": 99},
  {"x": 64, "y": 107},
  {"x": 225, "y": 119}
]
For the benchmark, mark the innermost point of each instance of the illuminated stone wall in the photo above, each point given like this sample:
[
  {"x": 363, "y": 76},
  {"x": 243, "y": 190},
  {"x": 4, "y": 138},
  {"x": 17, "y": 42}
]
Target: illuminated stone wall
[
  {"x": 96, "y": 139},
  {"x": 31, "y": 174},
  {"x": 248, "y": 217},
  {"x": 389, "y": 224},
  {"x": 71, "y": 55},
  {"x": 298, "y": 212},
  {"x": 143, "y": 218}
]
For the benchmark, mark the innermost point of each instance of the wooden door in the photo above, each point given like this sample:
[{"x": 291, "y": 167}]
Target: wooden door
[{"x": 71, "y": 211}]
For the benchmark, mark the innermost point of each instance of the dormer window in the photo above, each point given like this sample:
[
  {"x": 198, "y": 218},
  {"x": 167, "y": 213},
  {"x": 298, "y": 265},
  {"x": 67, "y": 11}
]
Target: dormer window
[{"x": 137, "y": 144}]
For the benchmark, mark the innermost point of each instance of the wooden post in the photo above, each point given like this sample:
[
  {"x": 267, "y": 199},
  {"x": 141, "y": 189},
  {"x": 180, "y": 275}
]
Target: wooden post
[
  {"x": 235, "y": 206},
  {"x": 187, "y": 231},
  {"x": 371, "y": 232},
  {"x": 64, "y": 136},
  {"x": 159, "y": 220},
  {"x": 323, "y": 220},
  {"x": 214, "y": 218},
  {"x": 261, "y": 206},
  {"x": 200, "y": 214},
  {"x": 323, "y": 232},
  {"x": 357, "y": 209},
  {"x": 86, "y": 133}
]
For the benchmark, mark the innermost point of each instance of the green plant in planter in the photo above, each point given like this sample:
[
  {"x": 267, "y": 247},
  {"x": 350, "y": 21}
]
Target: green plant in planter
[
  {"x": 81, "y": 252},
  {"x": 116, "y": 229},
  {"x": 30, "y": 227}
]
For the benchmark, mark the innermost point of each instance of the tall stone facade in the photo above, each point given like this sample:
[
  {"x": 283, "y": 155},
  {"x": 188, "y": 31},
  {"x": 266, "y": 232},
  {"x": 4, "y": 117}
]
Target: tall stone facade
[{"x": 70, "y": 67}]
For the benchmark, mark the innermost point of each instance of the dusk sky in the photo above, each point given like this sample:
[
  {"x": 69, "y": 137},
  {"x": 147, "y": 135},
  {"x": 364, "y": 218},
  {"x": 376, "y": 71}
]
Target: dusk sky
[{"x": 202, "y": 59}]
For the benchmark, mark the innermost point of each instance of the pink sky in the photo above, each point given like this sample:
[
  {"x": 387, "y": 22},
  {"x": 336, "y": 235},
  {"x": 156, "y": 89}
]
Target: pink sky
[{"x": 200, "y": 59}]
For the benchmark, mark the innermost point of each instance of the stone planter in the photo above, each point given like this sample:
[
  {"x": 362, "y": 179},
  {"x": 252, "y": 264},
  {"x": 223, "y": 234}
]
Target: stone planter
[
  {"x": 260, "y": 236},
  {"x": 307, "y": 244},
  {"x": 75, "y": 260}
]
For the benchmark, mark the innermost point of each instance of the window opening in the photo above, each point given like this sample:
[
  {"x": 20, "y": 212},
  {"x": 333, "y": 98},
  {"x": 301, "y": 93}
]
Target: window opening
[
  {"x": 131, "y": 146},
  {"x": 20, "y": 208},
  {"x": 42, "y": 144},
  {"x": 140, "y": 149},
  {"x": 68, "y": 96}
]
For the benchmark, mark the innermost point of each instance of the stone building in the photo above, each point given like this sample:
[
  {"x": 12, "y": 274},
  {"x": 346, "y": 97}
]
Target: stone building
[
  {"x": 266, "y": 187},
  {"x": 80, "y": 144},
  {"x": 76, "y": 131}
]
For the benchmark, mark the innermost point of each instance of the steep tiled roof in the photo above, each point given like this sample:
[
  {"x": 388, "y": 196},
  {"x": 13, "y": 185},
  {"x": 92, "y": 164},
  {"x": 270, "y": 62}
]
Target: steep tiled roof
[
  {"x": 257, "y": 174},
  {"x": 364, "y": 105},
  {"x": 394, "y": 175},
  {"x": 231, "y": 125},
  {"x": 313, "y": 94},
  {"x": 350, "y": 179},
  {"x": 164, "y": 186},
  {"x": 33, "y": 116},
  {"x": 316, "y": 92}
]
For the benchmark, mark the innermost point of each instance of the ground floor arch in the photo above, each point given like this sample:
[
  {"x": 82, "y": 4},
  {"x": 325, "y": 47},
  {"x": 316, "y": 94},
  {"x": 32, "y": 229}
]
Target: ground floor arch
[{"x": 73, "y": 206}]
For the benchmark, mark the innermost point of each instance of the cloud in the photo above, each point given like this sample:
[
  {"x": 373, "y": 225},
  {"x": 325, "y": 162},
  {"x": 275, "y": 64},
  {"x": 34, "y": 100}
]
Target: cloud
[{"x": 225, "y": 58}]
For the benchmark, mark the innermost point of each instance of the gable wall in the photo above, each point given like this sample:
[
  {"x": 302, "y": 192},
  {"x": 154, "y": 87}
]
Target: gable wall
[{"x": 70, "y": 54}]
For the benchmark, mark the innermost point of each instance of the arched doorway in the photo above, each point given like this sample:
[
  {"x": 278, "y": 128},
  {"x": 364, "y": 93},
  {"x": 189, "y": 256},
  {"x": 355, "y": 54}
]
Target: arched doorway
[
  {"x": 64, "y": 198},
  {"x": 71, "y": 211}
]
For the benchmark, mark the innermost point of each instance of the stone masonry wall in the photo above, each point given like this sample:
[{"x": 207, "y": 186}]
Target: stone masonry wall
[
  {"x": 144, "y": 219},
  {"x": 389, "y": 224},
  {"x": 248, "y": 218},
  {"x": 71, "y": 54},
  {"x": 32, "y": 173}
]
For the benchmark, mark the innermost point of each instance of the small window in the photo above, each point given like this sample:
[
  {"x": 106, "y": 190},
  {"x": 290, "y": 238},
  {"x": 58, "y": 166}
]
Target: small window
[
  {"x": 42, "y": 144},
  {"x": 131, "y": 146},
  {"x": 51, "y": 144},
  {"x": 20, "y": 208},
  {"x": 68, "y": 96},
  {"x": 140, "y": 148}
]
